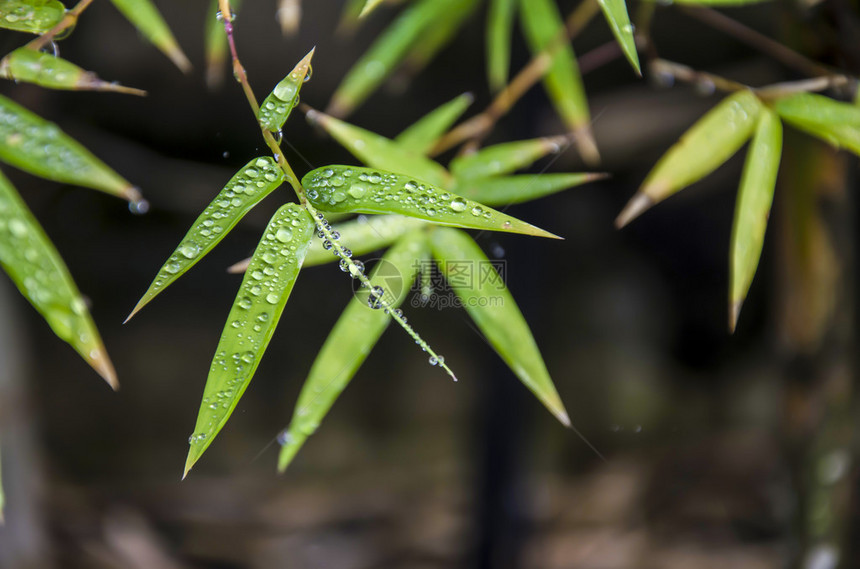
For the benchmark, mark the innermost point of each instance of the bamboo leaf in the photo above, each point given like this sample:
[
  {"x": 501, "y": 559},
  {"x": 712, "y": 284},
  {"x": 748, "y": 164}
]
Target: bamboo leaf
[
  {"x": 256, "y": 180},
  {"x": 521, "y": 188},
  {"x": 2, "y": 496},
  {"x": 752, "y": 209},
  {"x": 30, "y": 143},
  {"x": 51, "y": 72},
  {"x": 380, "y": 152},
  {"x": 504, "y": 158},
  {"x": 705, "y": 146},
  {"x": 276, "y": 108},
  {"x": 615, "y": 12},
  {"x": 216, "y": 43},
  {"x": 501, "y": 321},
  {"x": 726, "y": 3},
  {"x": 422, "y": 135},
  {"x": 438, "y": 36},
  {"x": 31, "y": 16},
  {"x": 255, "y": 313},
  {"x": 289, "y": 16},
  {"x": 365, "y": 190},
  {"x": 147, "y": 19},
  {"x": 34, "y": 265},
  {"x": 500, "y": 23},
  {"x": 834, "y": 122},
  {"x": 369, "y": 6},
  {"x": 350, "y": 341}
]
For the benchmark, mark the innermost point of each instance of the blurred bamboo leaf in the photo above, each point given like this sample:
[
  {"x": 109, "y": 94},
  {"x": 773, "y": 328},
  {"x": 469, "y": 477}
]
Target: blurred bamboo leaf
[
  {"x": 31, "y": 16},
  {"x": 34, "y": 265},
  {"x": 365, "y": 190},
  {"x": 521, "y": 188},
  {"x": 256, "y": 180},
  {"x": 30, "y": 143},
  {"x": 216, "y": 43},
  {"x": 834, "y": 122},
  {"x": 726, "y": 3},
  {"x": 505, "y": 157},
  {"x": 284, "y": 97},
  {"x": 147, "y": 19},
  {"x": 615, "y": 12},
  {"x": 52, "y": 72},
  {"x": 289, "y": 16},
  {"x": 752, "y": 209},
  {"x": 423, "y": 134},
  {"x": 349, "y": 343},
  {"x": 255, "y": 313},
  {"x": 438, "y": 36},
  {"x": 705, "y": 146},
  {"x": 500, "y": 23},
  {"x": 501, "y": 321},
  {"x": 369, "y": 6},
  {"x": 2, "y": 494}
]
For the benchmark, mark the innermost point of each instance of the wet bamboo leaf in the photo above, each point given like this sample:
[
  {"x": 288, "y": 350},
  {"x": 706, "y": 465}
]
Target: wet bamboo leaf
[
  {"x": 349, "y": 343},
  {"x": 500, "y": 321},
  {"x": 500, "y": 23},
  {"x": 256, "y": 180},
  {"x": 369, "y": 6},
  {"x": 380, "y": 152},
  {"x": 36, "y": 268},
  {"x": 504, "y": 158},
  {"x": 438, "y": 36},
  {"x": 31, "y": 16},
  {"x": 365, "y": 190},
  {"x": 52, "y": 72},
  {"x": 752, "y": 209},
  {"x": 615, "y": 12},
  {"x": 422, "y": 135},
  {"x": 705, "y": 146},
  {"x": 832, "y": 121},
  {"x": 276, "y": 108},
  {"x": 521, "y": 188},
  {"x": 289, "y": 16},
  {"x": 30, "y": 143},
  {"x": 147, "y": 19},
  {"x": 255, "y": 313},
  {"x": 216, "y": 43}
]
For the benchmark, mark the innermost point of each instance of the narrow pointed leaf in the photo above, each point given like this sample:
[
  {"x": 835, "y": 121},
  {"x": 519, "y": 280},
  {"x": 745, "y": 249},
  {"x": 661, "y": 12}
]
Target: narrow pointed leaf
[
  {"x": 521, "y": 188},
  {"x": 727, "y": 3},
  {"x": 30, "y": 143},
  {"x": 500, "y": 321},
  {"x": 350, "y": 341},
  {"x": 369, "y": 6},
  {"x": 51, "y": 72},
  {"x": 277, "y": 107},
  {"x": 500, "y": 23},
  {"x": 255, "y": 313},
  {"x": 615, "y": 12},
  {"x": 36, "y": 268},
  {"x": 437, "y": 36},
  {"x": 31, "y": 16},
  {"x": 834, "y": 122},
  {"x": 147, "y": 19},
  {"x": 257, "y": 179},
  {"x": 752, "y": 209},
  {"x": 215, "y": 40},
  {"x": 380, "y": 152},
  {"x": 289, "y": 16},
  {"x": 422, "y": 135},
  {"x": 365, "y": 190},
  {"x": 504, "y": 158},
  {"x": 705, "y": 146}
]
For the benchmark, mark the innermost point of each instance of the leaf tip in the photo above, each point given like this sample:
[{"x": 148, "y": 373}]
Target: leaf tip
[
  {"x": 179, "y": 59},
  {"x": 634, "y": 208},
  {"x": 239, "y": 267},
  {"x": 587, "y": 146},
  {"x": 562, "y": 416},
  {"x": 734, "y": 313},
  {"x": 99, "y": 361}
]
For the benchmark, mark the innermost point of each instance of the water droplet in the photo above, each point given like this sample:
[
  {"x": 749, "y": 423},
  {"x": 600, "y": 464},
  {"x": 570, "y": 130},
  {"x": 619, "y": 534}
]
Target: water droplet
[
  {"x": 272, "y": 298},
  {"x": 326, "y": 245},
  {"x": 476, "y": 211},
  {"x": 357, "y": 269},
  {"x": 189, "y": 249},
  {"x": 458, "y": 205},
  {"x": 245, "y": 302},
  {"x": 172, "y": 267},
  {"x": 374, "y": 299},
  {"x": 284, "y": 235},
  {"x": 138, "y": 207},
  {"x": 284, "y": 438}
]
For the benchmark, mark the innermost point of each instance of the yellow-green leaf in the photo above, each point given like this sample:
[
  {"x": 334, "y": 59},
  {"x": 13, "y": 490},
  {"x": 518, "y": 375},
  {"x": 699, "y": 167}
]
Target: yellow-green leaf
[
  {"x": 726, "y": 3},
  {"x": 277, "y": 106},
  {"x": 364, "y": 235},
  {"x": 369, "y": 6},
  {"x": 500, "y": 22},
  {"x": 31, "y": 16},
  {"x": 147, "y": 19},
  {"x": 438, "y": 36},
  {"x": 504, "y": 158},
  {"x": 423, "y": 134},
  {"x": 51, "y": 72},
  {"x": 521, "y": 188},
  {"x": 832, "y": 121},
  {"x": 616, "y": 15}
]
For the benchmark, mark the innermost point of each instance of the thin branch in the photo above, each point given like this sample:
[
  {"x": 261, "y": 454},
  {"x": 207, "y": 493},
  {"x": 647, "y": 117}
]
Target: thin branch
[{"x": 68, "y": 21}]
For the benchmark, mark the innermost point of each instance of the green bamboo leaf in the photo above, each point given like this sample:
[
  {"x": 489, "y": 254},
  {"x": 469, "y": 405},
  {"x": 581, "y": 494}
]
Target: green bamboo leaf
[
  {"x": 255, "y": 313},
  {"x": 277, "y": 106},
  {"x": 834, "y": 122},
  {"x": 365, "y": 190},
  {"x": 31, "y": 16},
  {"x": 30, "y": 143},
  {"x": 349, "y": 343},
  {"x": 369, "y": 6},
  {"x": 215, "y": 41},
  {"x": 256, "y": 180},
  {"x": 501, "y": 321},
  {"x": 438, "y": 36},
  {"x": 380, "y": 152},
  {"x": 726, "y": 3},
  {"x": 423, "y": 134},
  {"x": 615, "y": 12},
  {"x": 51, "y": 72},
  {"x": 504, "y": 158},
  {"x": 705, "y": 146},
  {"x": 752, "y": 209},
  {"x": 500, "y": 23},
  {"x": 36, "y": 268},
  {"x": 147, "y": 19},
  {"x": 521, "y": 188}
]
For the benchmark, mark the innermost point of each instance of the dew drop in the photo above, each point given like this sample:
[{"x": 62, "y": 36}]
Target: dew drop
[
  {"x": 458, "y": 205},
  {"x": 284, "y": 235},
  {"x": 272, "y": 298}
]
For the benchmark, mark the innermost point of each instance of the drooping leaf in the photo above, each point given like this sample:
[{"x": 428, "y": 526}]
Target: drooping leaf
[
  {"x": 36, "y": 268},
  {"x": 423, "y": 134},
  {"x": 615, "y": 12},
  {"x": 500, "y": 23},
  {"x": 752, "y": 209},
  {"x": 487, "y": 300},
  {"x": 255, "y": 313},
  {"x": 31, "y": 16},
  {"x": 52, "y": 72},
  {"x": 832, "y": 121},
  {"x": 521, "y": 188},
  {"x": 216, "y": 47},
  {"x": 504, "y": 158},
  {"x": 365, "y": 190},
  {"x": 705, "y": 146},
  {"x": 30, "y": 143},
  {"x": 438, "y": 36},
  {"x": 380, "y": 152},
  {"x": 147, "y": 19},
  {"x": 289, "y": 16},
  {"x": 350, "y": 342},
  {"x": 257, "y": 179},
  {"x": 284, "y": 97}
]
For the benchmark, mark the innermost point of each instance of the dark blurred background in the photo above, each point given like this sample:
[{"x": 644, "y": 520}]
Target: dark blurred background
[{"x": 703, "y": 449}]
